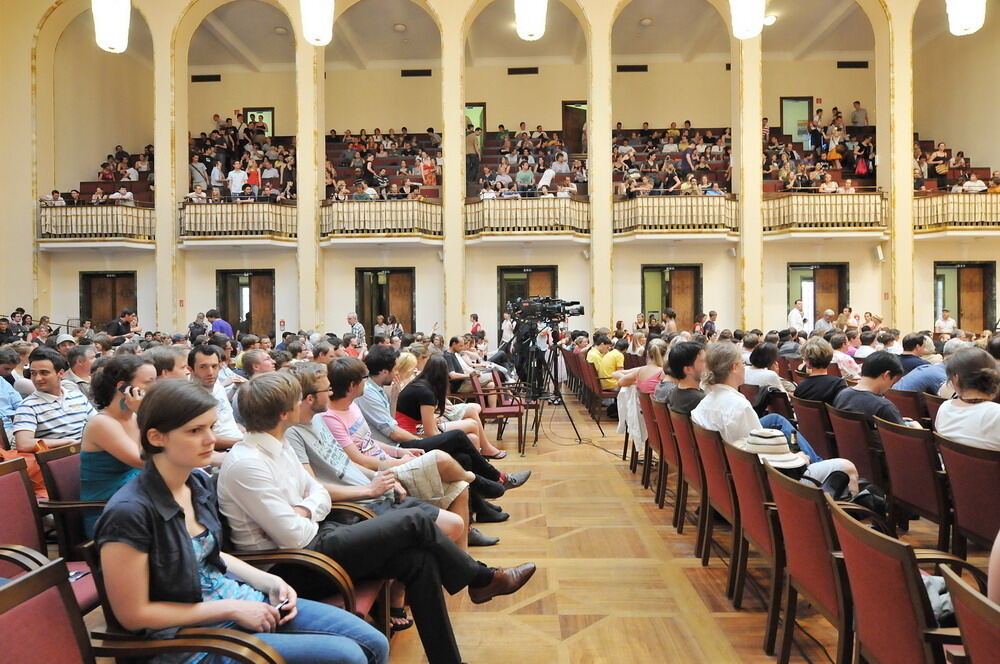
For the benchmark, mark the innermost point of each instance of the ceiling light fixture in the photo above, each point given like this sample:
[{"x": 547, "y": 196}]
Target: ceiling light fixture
[
  {"x": 111, "y": 24},
  {"x": 770, "y": 20},
  {"x": 317, "y": 21},
  {"x": 529, "y": 18},
  {"x": 748, "y": 17},
  {"x": 965, "y": 16},
  {"x": 399, "y": 27},
  {"x": 645, "y": 22}
]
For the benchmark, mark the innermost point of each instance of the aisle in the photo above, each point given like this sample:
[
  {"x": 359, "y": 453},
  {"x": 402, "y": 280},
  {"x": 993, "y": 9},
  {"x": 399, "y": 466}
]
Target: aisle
[{"x": 614, "y": 582}]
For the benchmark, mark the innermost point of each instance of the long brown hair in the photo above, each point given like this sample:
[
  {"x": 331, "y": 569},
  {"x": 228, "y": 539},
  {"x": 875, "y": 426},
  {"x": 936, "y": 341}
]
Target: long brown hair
[{"x": 435, "y": 376}]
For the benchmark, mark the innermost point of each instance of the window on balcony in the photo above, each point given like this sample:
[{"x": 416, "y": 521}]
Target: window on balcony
[{"x": 676, "y": 287}]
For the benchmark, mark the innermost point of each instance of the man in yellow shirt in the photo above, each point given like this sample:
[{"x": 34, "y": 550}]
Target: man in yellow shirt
[
  {"x": 612, "y": 361},
  {"x": 602, "y": 344}
]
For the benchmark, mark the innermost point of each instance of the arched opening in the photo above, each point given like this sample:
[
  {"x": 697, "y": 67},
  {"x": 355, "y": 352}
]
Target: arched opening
[{"x": 101, "y": 101}]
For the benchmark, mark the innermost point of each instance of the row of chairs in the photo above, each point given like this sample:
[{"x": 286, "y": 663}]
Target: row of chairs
[
  {"x": 817, "y": 548},
  {"x": 583, "y": 380}
]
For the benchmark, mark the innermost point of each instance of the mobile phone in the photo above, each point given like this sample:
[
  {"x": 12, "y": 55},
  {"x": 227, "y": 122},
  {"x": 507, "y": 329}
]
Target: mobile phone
[{"x": 280, "y": 606}]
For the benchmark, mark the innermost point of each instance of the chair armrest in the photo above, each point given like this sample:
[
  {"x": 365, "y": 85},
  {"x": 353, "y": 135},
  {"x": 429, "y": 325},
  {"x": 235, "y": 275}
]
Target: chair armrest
[
  {"x": 940, "y": 558},
  {"x": 312, "y": 560},
  {"x": 22, "y": 556},
  {"x": 54, "y": 506},
  {"x": 880, "y": 521},
  {"x": 353, "y": 508},
  {"x": 241, "y": 647},
  {"x": 945, "y": 636}
]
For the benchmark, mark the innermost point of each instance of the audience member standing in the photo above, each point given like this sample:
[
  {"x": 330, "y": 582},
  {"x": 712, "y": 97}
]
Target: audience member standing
[{"x": 218, "y": 324}]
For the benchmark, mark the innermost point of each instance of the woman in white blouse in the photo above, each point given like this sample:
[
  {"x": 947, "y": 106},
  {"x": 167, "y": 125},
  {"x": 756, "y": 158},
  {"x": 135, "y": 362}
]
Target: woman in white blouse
[{"x": 973, "y": 417}]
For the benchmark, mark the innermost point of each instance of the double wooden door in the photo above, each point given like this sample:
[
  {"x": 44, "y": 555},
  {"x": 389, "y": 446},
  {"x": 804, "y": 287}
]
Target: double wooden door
[
  {"x": 246, "y": 300},
  {"x": 676, "y": 287},
  {"x": 103, "y": 296},
  {"x": 386, "y": 292}
]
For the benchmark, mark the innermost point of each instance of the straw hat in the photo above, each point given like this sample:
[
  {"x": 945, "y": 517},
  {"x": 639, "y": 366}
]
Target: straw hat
[{"x": 771, "y": 445}]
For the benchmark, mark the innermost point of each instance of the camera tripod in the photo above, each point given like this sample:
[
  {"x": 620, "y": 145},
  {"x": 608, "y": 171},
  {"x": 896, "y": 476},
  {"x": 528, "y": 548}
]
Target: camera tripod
[{"x": 540, "y": 369}]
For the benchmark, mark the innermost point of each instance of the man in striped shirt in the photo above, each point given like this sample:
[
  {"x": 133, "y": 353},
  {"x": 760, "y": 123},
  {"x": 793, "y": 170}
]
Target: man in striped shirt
[{"x": 50, "y": 414}]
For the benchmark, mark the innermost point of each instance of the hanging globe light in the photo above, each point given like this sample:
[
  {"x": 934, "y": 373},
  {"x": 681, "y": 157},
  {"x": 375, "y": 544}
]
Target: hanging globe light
[
  {"x": 965, "y": 16},
  {"x": 317, "y": 21},
  {"x": 111, "y": 24},
  {"x": 529, "y": 18},
  {"x": 748, "y": 17}
]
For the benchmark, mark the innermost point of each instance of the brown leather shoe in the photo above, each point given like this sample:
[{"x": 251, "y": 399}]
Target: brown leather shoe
[{"x": 506, "y": 580}]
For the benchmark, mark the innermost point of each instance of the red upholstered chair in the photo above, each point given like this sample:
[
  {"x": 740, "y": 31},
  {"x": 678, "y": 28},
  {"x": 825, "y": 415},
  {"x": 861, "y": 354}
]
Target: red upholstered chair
[
  {"x": 633, "y": 361},
  {"x": 893, "y": 617},
  {"x": 653, "y": 443},
  {"x": 917, "y": 483},
  {"x": 721, "y": 498},
  {"x": 814, "y": 423},
  {"x": 759, "y": 520},
  {"x": 21, "y": 526},
  {"x": 810, "y": 567},
  {"x": 40, "y": 623},
  {"x": 749, "y": 391},
  {"x": 779, "y": 404},
  {"x": 972, "y": 476},
  {"x": 520, "y": 394},
  {"x": 910, "y": 404},
  {"x": 670, "y": 458},
  {"x": 856, "y": 441},
  {"x": 933, "y": 403},
  {"x": 693, "y": 475},
  {"x": 60, "y": 468},
  {"x": 798, "y": 377},
  {"x": 978, "y": 619},
  {"x": 513, "y": 410}
]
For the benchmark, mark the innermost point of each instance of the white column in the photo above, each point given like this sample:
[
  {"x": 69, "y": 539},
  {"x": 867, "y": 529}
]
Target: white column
[
  {"x": 600, "y": 186},
  {"x": 311, "y": 185}
]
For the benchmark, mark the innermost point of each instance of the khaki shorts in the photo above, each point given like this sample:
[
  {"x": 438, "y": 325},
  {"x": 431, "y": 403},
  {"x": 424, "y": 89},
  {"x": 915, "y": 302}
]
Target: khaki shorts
[{"x": 421, "y": 479}]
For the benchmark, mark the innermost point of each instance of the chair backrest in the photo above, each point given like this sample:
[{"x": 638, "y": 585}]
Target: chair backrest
[
  {"x": 972, "y": 476},
  {"x": 856, "y": 442},
  {"x": 686, "y": 448},
  {"x": 891, "y": 607},
  {"x": 913, "y": 467},
  {"x": 784, "y": 368},
  {"x": 752, "y": 495},
  {"x": 933, "y": 403},
  {"x": 718, "y": 483},
  {"x": 978, "y": 619},
  {"x": 21, "y": 523},
  {"x": 749, "y": 391},
  {"x": 92, "y": 556},
  {"x": 633, "y": 361},
  {"x": 814, "y": 423},
  {"x": 798, "y": 377},
  {"x": 777, "y": 402},
  {"x": 834, "y": 370},
  {"x": 668, "y": 446},
  {"x": 61, "y": 471},
  {"x": 810, "y": 542},
  {"x": 652, "y": 432},
  {"x": 909, "y": 403},
  {"x": 40, "y": 621}
]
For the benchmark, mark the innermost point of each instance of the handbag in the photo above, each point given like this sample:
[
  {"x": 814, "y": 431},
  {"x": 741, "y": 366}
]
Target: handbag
[
  {"x": 941, "y": 169},
  {"x": 862, "y": 167}
]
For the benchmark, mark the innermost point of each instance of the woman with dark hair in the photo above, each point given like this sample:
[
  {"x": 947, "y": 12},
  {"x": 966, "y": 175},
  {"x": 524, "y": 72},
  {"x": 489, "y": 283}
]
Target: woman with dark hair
[
  {"x": 110, "y": 454},
  {"x": 159, "y": 541},
  {"x": 763, "y": 369},
  {"x": 973, "y": 417},
  {"x": 437, "y": 341}
]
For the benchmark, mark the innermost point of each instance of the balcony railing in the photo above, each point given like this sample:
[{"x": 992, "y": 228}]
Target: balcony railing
[
  {"x": 527, "y": 215},
  {"x": 943, "y": 211},
  {"x": 367, "y": 218},
  {"x": 257, "y": 219},
  {"x": 93, "y": 222},
  {"x": 677, "y": 214},
  {"x": 824, "y": 212}
]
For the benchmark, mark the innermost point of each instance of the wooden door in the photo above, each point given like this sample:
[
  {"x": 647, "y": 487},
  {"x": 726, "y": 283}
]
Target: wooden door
[
  {"x": 972, "y": 299},
  {"x": 684, "y": 296},
  {"x": 104, "y": 295},
  {"x": 261, "y": 314},
  {"x": 541, "y": 283},
  {"x": 826, "y": 284},
  {"x": 400, "y": 286},
  {"x": 573, "y": 119}
]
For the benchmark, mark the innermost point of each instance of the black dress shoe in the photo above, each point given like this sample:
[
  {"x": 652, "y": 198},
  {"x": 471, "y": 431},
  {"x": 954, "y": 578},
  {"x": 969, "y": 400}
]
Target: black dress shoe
[
  {"x": 489, "y": 516},
  {"x": 492, "y": 506},
  {"x": 477, "y": 538},
  {"x": 506, "y": 580}
]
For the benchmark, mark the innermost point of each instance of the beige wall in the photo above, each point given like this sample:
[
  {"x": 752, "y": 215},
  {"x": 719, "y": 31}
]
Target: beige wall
[
  {"x": 238, "y": 90},
  {"x": 928, "y": 250},
  {"x": 101, "y": 100},
  {"x": 654, "y": 96},
  {"x": 818, "y": 79},
  {"x": 536, "y": 100},
  {"x": 955, "y": 98},
  {"x": 369, "y": 98},
  {"x": 65, "y": 268}
]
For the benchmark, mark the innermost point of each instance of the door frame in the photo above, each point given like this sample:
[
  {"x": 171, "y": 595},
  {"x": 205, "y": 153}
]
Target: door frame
[
  {"x": 562, "y": 117},
  {"x": 781, "y": 110},
  {"x": 247, "y": 110},
  {"x": 476, "y": 104},
  {"x": 845, "y": 284},
  {"x": 989, "y": 294},
  {"x": 501, "y": 305},
  {"x": 220, "y": 276},
  {"x": 699, "y": 287},
  {"x": 108, "y": 274},
  {"x": 359, "y": 271}
]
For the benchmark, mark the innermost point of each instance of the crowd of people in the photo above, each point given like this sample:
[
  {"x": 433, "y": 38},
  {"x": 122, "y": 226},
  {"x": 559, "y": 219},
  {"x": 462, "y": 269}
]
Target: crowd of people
[
  {"x": 414, "y": 164},
  {"x": 530, "y": 164}
]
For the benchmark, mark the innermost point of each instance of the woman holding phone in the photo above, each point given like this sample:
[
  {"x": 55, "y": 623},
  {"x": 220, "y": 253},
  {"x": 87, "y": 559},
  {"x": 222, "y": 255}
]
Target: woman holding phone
[{"x": 159, "y": 541}]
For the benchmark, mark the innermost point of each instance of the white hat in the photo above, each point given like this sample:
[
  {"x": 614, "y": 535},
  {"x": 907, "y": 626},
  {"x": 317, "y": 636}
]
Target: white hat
[
  {"x": 771, "y": 445},
  {"x": 62, "y": 338}
]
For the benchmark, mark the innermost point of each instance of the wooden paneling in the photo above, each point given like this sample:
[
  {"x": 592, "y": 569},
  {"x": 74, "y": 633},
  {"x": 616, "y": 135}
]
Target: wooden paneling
[
  {"x": 684, "y": 296},
  {"x": 542, "y": 283},
  {"x": 262, "y": 304},
  {"x": 972, "y": 299},
  {"x": 103, "y": 296},
  {"x": 400, "y": 285},
  {"x": 827, "y": 289},
  {"x": 573, "y": 120}
]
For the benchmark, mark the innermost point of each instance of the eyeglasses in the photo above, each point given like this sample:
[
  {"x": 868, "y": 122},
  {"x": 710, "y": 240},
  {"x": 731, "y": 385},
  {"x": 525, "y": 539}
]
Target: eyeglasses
[{"x": 329, "y": 389}]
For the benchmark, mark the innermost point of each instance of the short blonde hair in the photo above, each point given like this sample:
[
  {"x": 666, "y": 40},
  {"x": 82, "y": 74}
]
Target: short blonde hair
[
  {"x": 719, "y": 360},
  {"x": 418, "y": 350},
  {"x": 265, "y": 397},
  {"x": 307, "y": 373},
  {"x": 817, "y": 352},
  {"x": 406, "y": 363}
]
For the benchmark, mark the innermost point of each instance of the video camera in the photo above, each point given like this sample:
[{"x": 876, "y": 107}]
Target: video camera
[{"x": 539, "y": 309}]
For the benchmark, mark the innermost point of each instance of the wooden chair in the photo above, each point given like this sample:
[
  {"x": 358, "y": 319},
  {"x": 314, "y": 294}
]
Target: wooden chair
[
  {"x": 761, "y": 528},
  {"x": 779, "y": 403},
  {"x": 21, "y": 528},
  {"x": 749, "y": 391},
  {"x": 814, "y": 423},
  {"x": 893, "y": 617},
  {"x": 918, "y": 484},
  {"x": 856, "y": 442},
  {"x": 653, "y": 443},
  {"x": 669, "y": 455},
  {"x": 502, "y": 413},
  {"x": 978, "y": 619},
  {"x": 933, "y": 403},
  {"x": 693, "y": 475},
  {"x": 972, "y": 477},
  {"x": 721, "y": 499},
  {"x": 910, "y": 404},
  {"x": 60, "y": 468},
  {"x": 43, "y": 600},
  {"x": 521, "y": 391}
]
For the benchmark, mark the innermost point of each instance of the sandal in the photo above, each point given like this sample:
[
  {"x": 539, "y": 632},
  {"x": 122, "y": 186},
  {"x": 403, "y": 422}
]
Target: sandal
[
  {"x": 399, "y": 612},
  {"x": 502, "y": 454}
]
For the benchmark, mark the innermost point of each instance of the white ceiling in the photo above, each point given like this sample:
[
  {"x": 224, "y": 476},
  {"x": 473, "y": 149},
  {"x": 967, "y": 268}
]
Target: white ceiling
[{"x": 242, "y": 35}]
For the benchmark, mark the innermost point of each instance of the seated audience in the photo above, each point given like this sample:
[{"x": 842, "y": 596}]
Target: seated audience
[
  {"x": 163, "y": 529},
  {"x": 763, "y": 369},
  {"x": 611, "y": 362},
  {"x": 10, "y": 399},
  {"x": 647, "y": 378},
  {"x": 51, "y": 416},
  {"x": 686, "y": 365},
  {"x": 818, "y": 385},
  {"x": 973, "y": 416},
  {"x": 913, "y": 351},
  {"x": 867, "y": 346},
  {"x": 847, "y": 365},
  {"x": 878, "y": 374},
  {"x": 80, "y": 359},
  {"x": 929, "y": 378},
  {"x": 271, "y": 501},
  {"x": 205, "y": 362}
]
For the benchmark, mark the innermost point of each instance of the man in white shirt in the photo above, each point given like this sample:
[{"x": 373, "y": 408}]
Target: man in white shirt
[
  {"x": 271, "y": 501},
  {"x": 859, "y": 116},
  {"x": 561, "y": 164},
  {"x": 946, "y": 324},
  {"x": 205, "y": 362},
  {"x": 123, "y": 197},
  {"x": 54, "y": 199},
  {"x": 796, "y": 320},
  {"x": 196, "y": 196},
  {"x": 237, "y": 178},
  {"x": 825, "y": 323},
  {"x": 973, "y": 185}
]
